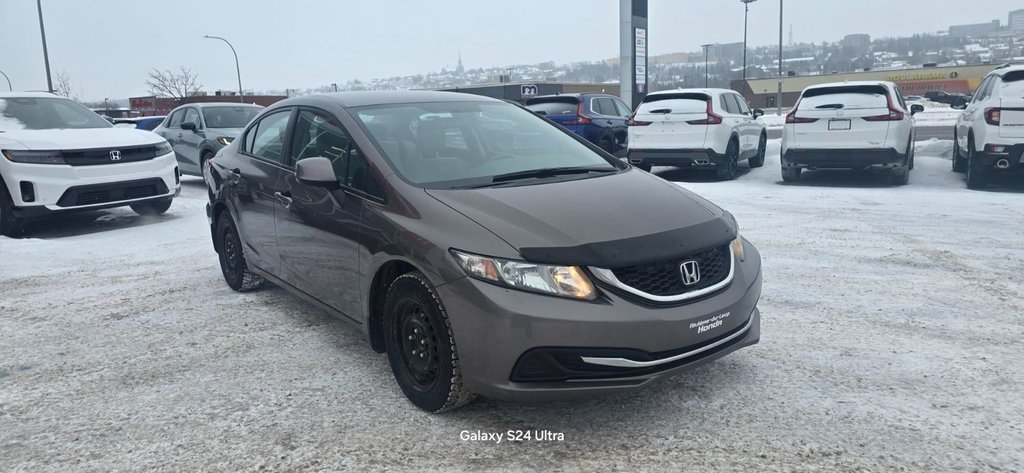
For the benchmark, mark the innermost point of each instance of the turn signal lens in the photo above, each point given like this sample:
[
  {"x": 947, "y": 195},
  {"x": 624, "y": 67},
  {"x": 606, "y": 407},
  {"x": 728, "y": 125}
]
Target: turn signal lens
[
  {"x": 737, "y": 248},
  {"x": 565, "y": 281}
]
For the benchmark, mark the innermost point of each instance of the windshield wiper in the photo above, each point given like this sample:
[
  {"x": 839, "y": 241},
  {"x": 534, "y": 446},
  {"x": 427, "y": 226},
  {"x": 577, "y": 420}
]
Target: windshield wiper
[
  {"x": 834, "y": 106},
  {"x": 547, "y": 172},
  {"x": 662, "y": 111}
]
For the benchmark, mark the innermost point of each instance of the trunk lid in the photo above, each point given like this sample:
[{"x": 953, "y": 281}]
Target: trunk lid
[
  {"x": 668, "y": 115},
  {"x": 839, "y": 118}
]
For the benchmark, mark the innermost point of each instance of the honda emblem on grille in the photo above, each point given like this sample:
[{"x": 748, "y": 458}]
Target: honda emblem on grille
[
  {"x": 115, "y": 155},
  {"x": 691, "y": 272}
]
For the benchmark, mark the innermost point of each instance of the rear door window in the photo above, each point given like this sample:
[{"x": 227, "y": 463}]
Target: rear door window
[
  {"x": 845, "y": 98},
  {"x": 268, "y": 137},
  {"x": 741, "y": 104},
  {"x": 555, "y": 107},
  {"x": 605, "y": 106},
  {"x": 621, "y": 107}
]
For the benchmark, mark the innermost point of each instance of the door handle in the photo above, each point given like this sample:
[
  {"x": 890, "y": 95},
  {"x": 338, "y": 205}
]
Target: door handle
[{"x": 284, "y": 198}]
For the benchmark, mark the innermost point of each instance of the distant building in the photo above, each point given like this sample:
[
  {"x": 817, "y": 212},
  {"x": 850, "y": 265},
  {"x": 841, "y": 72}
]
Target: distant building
[
  {"x": 859, "y": 41},
  {"x": 975, "y": 30},
  {"x": 1016, "y": 22},
  {"x": 725, "y": 52}
]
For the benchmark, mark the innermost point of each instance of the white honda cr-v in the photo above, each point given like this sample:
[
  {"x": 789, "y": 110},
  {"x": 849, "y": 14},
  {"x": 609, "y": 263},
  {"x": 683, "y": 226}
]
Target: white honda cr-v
[
  {"x": 696, "y": 128},
  {"x": 59, "y": 156},
  {"x": 989, "y": 136},
  {"x": 850, "y": 125}
]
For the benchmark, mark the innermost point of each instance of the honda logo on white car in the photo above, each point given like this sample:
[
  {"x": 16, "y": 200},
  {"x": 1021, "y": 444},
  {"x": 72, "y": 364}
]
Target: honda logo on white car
[
  {"x": 115, "y": 155},
  {"x": 690, "y": 272}
]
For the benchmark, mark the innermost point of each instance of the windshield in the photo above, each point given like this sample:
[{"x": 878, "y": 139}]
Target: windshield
[
  {"x": 229, "y": 117},
  {"x": 46, "y": 113},
  {"x": 457, "y": 144}
]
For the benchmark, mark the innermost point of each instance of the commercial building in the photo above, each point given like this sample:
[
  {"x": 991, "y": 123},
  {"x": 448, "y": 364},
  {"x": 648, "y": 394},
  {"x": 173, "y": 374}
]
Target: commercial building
[
  {"x": 761, "y": 93},
  {"x": 976, "y": 30},
  {"x": 521, "y": 91},
  {"x": 153, "y": 106},
  {"x": 1016, "y": 22}
]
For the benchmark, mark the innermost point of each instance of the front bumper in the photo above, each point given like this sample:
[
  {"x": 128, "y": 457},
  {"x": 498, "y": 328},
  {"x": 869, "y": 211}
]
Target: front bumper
[
  {"x": 1010, "y": 161},
  {"x": 846, "y": 159},
  {"x": 684, "y": 158},
  {"x": 64, "y": 188},
  {"x": 500, "y": 332}
]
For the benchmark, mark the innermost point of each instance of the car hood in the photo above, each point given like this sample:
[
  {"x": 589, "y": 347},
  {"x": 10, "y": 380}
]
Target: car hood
[
  {"x": 608, "y": 221},
  {"x": 77, "y": 139}
]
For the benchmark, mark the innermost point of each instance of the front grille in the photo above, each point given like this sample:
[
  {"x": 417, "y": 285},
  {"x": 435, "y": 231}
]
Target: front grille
[
  {"x": 665, "y": 278},
  {"x": 112, "y": 192},
  {"x": 94, "y": 157}
]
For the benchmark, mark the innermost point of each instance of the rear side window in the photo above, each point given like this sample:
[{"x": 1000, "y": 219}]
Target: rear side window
[
  {"x": 567, "y": 106},
  {"x": 845, "y": 97},
  {"x": 674, "y": 103},
  {"x": 605, "y": 106},
  {"x": 621, "y": 107}
]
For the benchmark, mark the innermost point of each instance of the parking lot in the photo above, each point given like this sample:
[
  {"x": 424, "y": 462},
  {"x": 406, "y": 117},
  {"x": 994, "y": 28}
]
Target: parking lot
[{"x": 891, "y": 340}]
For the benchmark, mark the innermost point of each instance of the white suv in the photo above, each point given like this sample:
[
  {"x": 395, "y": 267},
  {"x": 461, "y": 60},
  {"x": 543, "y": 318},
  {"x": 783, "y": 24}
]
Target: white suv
[
  {"x": 989, "y": 136},
  {"x": 696, "y": 128},
  {"x": 852, "y": 126},
  {"x": 58, "y": 156}
]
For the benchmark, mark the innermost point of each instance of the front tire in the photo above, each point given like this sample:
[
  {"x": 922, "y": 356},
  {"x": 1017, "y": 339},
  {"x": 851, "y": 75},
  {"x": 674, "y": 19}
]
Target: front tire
[
  {"x": 9, "y": 224},
  {"x": 727, "y": 170},
  {"x": 421, "y": 347},
  {"x": 762, "y": 149},
  {"x": 152, "y": 207},
  {"x": 232, "y": 257}
]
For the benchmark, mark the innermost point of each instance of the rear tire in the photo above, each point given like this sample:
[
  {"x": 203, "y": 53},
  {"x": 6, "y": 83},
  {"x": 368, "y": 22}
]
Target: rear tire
[
  {"x": 232, "y": 257},
  {"x": 900, "y": 176},
  {"x": 607, "y": 144},
  {"x": 977, "y": 178},
  {"x": 421, "y": 347},
  {"x": 9, "y": 224},
  {"x": 727, "y": 170},
  {"x": 791, "y": 174},
  {"x": 959, "y": 162},
  {"x": 152, "y": 207},
  {"x": 762, "y": 149}
]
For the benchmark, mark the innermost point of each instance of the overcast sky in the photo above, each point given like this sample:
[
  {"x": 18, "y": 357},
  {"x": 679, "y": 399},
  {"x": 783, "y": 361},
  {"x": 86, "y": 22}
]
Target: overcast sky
[{"x": 107, "y": 46}]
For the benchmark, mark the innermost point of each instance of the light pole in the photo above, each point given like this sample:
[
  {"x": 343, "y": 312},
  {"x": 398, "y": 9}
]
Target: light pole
[
  {"x": 106, "y": 108},
  {"x": 238, "y": 70},
  {"x": 8, "y": 81},
  {"x": 778, "y": 98},
  {"x": 46, "y": 54},
  {"x": 705, "y": 46},
  {"x": 746, "y": 11}
]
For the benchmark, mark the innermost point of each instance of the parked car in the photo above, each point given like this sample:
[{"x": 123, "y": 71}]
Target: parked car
[
  {"x": 697, "y": 128},
  {"x": 850, "y": 126},
  {"x": 944, "y": 97},
  {"x": 198, "y": 131},
  {"x": 142, "y": 123},
  {"x": 461, "y": 234},
  {"x": 599, "y": 118},
  {"x": 61, "y": 157},
  {"x": 989, "y": 135}
]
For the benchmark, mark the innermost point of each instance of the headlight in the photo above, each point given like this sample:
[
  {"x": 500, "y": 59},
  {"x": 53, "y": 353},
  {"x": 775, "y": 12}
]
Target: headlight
[
  {"x": 737, "y": 247},
  {"x": 163, "y": 148},
  {"x": 565, "y": 281},
  {"x": 225, "y": 140},
  {"x": 34, "y": 157}
]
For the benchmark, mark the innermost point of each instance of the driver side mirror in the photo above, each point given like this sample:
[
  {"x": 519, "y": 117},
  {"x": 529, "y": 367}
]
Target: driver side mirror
[
  {"x": 317, "y": 172},
  {"x": 189, "y": 126},
  {"x": 958, "y": 103},
  {"x": 916, "y": 108},
  {"x": 758, "y": 113}
]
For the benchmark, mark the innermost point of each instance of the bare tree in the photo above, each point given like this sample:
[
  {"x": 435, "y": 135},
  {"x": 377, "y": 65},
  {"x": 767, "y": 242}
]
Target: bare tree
[
  {"x": 175, "y": 84},
  {"x": 62, "y": 85}
]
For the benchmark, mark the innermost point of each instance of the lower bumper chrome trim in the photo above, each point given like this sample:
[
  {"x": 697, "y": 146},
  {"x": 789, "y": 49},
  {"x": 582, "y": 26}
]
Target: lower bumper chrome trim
[{"x": 626, "y": 363}]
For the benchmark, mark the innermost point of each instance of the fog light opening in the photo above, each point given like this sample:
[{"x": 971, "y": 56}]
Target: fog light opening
[{"x": 28, "y": 191}]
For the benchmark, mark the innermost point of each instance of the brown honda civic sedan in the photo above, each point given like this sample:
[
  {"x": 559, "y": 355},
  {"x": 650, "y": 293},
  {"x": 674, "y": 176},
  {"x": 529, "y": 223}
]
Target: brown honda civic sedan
[{"x": 485, "y": 249}]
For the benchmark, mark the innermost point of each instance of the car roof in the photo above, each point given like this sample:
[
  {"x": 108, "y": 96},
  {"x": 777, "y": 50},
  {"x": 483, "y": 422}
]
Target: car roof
[
  {"x": 852, "y": 83},
  {"x": 1003, "y": 70},
  {"x": 217, "y": 104},
  {"x": 384, "y": 97},
  {"x": 708, "y": 91},
  {"x": 25, "y": 95}
]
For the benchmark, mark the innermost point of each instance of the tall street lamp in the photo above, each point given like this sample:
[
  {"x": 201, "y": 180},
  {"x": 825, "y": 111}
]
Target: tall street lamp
[
  {"x": 8, "y": 81},
  {"x": 778, "y": 98},
  {"x": 746, "y": 11},
  {"x": 705, "y": 46},
  {"x": 238, "y": 70},
  {"x": 46, "y": 54},
  {"x": 106, "y": 108}
]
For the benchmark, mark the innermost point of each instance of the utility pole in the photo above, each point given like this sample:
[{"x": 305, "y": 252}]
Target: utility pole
[
  {"x": 237, "y": 69},
  {"x": 778, "y": 98},
  {"x": 106, "y": 108},
  {"x": 746, "y": 11},
  {"x": 8, "y": 81},
  {"x": 46, "y": 54},
  {"x": 705, "y": 46}
]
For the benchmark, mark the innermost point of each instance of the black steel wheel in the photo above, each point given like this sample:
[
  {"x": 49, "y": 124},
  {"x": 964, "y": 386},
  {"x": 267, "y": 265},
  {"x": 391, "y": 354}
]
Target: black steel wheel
[
  {"x": 727, "y": 169},
  {"x": 421, "y": 347},
  {"x": 232, "y": 257}
]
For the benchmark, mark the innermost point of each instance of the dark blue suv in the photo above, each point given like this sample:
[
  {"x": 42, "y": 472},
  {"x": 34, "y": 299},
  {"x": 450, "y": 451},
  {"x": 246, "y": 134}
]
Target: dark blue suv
[{"x": 599, "y": 118}]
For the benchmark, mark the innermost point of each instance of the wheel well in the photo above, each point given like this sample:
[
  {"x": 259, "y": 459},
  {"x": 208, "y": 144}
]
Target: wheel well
[
  {"x": 218, "y": 209},
  {"x": 378, "y": 289}
]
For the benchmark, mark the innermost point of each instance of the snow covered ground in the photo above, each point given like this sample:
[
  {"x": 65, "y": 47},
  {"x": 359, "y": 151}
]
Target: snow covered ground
[{"x": 891, "y": 341}]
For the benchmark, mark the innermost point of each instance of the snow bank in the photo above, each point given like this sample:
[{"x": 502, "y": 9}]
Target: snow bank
[{"x": 935, "y": 148}]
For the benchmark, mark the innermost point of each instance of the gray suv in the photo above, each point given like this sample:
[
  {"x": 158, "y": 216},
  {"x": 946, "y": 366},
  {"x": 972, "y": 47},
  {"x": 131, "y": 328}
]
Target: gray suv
[
  {"x": 484, "y": 249},
  {"x": 198, "y": 131}
]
